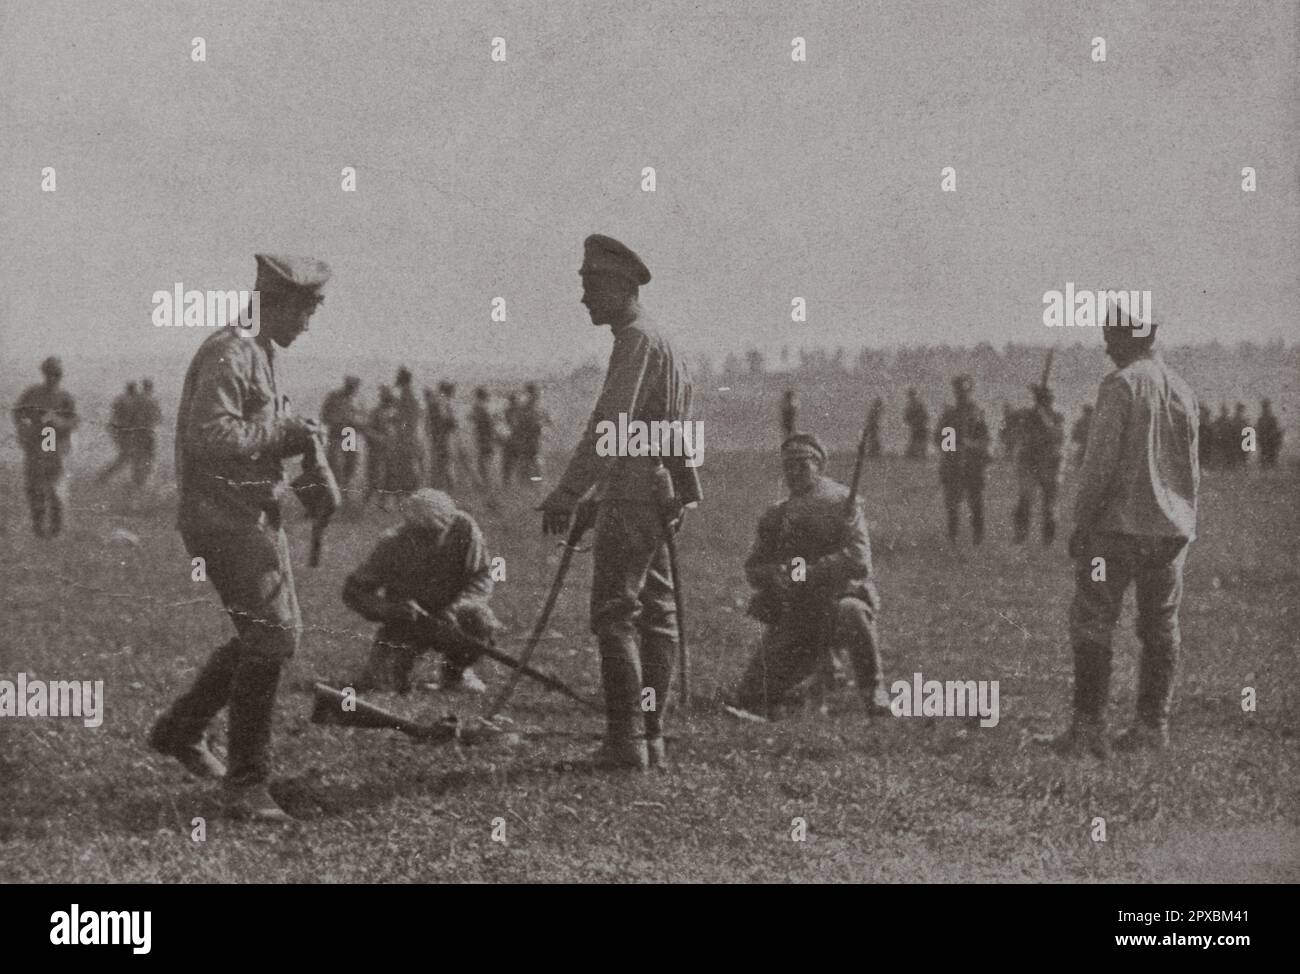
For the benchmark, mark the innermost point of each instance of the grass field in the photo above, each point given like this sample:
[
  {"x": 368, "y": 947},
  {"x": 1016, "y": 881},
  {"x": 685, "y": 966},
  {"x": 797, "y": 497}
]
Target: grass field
[{"x": 892, "y": 800}]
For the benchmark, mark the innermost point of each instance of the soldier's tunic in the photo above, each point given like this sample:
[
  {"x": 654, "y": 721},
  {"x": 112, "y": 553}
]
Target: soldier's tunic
[
  {"x": 38, "y": 409},
  {"x": 917, "y": 419},
  {"x": 1136, "y": 508},
  {"x": 531, "y": 420},
  {"x": 961, "y": 470},
  {"x": 230, "y": 438},
  {"x": 380, "y": 431},
  {"x": 1269, "y": 433},
  {"x": 338, "y": 414},
  {"x": 1038, "y": 469},
  {"x": 837, "y": 555},
  {"x": 442, "y": 569},
  {"x": 123, "y": 431},
  {"x": 631, "y": 591}
]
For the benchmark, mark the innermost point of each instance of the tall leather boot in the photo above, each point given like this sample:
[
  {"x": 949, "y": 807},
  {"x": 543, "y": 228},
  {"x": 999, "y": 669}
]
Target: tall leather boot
[
  {"x": 658, "y": 657},
  {"x": 624, "y": 746},
  {"x": 181, "y": 731},
  {"x": 252, "y": 705}
]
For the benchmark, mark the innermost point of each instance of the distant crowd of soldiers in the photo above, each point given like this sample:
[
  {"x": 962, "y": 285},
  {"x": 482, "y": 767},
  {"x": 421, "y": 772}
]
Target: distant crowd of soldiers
[{"x": 411, "y": 443}]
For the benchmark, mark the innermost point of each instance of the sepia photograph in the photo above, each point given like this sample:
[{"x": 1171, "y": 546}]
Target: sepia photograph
[{"x": 690, "y": 443}]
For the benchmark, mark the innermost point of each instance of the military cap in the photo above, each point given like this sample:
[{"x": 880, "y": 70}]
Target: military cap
[
  {"x": 52, "y": 366},
  {"x": 803, "y": 445},
  {"x": 1123, "y": 325},
  {"x": 428, "y": 508},
  {"x": 304, "y": 275},
  {"x": 403, "y": 376},
  {"x": 351, "y": 382},
  {"x": 602, "y": 254}
]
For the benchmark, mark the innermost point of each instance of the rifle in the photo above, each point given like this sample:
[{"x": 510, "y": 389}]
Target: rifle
[
  {"x": 826, "y": 663},
  {"x": 330, "y": 708},
  {"x": 319, "y": 493}
]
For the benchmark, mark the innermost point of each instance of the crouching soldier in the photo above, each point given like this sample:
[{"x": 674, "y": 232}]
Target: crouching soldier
[
  {"x": 808, "y": 558},
  {"x": 427, "y": 583}
]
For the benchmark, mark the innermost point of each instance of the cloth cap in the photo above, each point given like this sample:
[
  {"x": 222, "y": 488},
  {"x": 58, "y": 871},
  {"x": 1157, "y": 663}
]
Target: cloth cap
[
  {"x": 601, "y": 254},
  {"x": 429, "y": 508},
  {"x": 297, "y": 275},
  {"x": 803, "y": 445}
]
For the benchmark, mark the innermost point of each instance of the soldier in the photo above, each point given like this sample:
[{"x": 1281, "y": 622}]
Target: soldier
[
  {"x": 837, "y": 578},
  {"x": 233, "y": 432},
  {"x": 44, "y": 417},
  {"x": 339, "y": 414},
  {"x": 789, "y": 414},
  {"x": 1235, "y": 441},
  {"x": 1227, "y": 445},
  {"x": 1269, "y": 433},
  {"x": 1205, "y": 437},
  {"x": 917, "y": 418},
  {"x": 380, "y": 431},
  {"x": 443, "y": 432},
  {"x": 404, "y": 463},
  {"x": 432, "y": 568},
  {"x": 1079, "y": 435},
  {"x": 1038, "y": 464},
  {"x": 1135, "y": 515},
  {"x": 873, "y": 427},
  {"x": 1009, "y": 430},
  {"x": 963, "y": 440},
  {"x": 149, "y": 418},
  {"x": 530, "y": 422},
  {"x": 510, "y": 439},
  {"x": 122, "y": 427},
  {"x": 485, "y": 434},
  {"x": 632, "y": 591}
]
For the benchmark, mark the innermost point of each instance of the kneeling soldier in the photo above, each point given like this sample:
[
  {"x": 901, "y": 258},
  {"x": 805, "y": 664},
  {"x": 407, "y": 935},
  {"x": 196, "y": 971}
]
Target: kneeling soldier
[
  {"x": 795, "y": 600},
  {"x": 432, "y": 569}
]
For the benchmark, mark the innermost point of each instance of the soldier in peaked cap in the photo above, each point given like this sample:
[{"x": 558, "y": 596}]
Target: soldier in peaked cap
[
  {"x": 234, "y": 430},
  {"x": 44, "y": 417},
  {"x": 836, "y": 559},
  {"x": 632, "y": 610}
]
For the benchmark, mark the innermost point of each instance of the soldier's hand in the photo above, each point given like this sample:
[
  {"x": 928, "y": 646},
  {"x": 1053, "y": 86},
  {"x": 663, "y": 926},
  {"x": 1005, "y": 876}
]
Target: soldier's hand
[
  {"x": 557, "y": 511},
  {"x": 299, "y": 434}
]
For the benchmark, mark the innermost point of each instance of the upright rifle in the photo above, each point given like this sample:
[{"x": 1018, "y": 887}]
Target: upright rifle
[{"x": 825, "y": 658}]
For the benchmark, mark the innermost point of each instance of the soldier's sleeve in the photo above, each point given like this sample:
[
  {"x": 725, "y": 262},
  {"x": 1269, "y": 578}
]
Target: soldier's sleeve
[
  {"x": 629, "y": 364},
  {"x": 478, "y": 585},
  {"x": 852, "y": 560},
  {"x": 1101, "y": 456},
  {"x": 215, "y": 421},
  {"x": 763, "y": 567},
  {"x": 363, "y": 590}
]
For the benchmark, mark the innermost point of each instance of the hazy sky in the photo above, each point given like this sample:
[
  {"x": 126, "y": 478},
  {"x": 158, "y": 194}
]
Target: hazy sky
[{"x": 775, "y": 179}]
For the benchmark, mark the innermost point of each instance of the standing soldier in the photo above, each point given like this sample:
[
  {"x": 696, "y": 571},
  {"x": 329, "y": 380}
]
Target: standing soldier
[
  {"x": 873, "y": 427},
  {"x": 434, "y": 568},
  {"x": 123, "y": 423},
  {"x": 443, "y": 432},
  {"x": 1227, "y": 447},
  {"x": 1205, "y": 437},
  {"x": 485, "y": 434},
  {"x": 149, "y": 418},
  {"x": 44, "y": 417},
  {"x": 233, "y": 432},
  {"x": 963, "y": 440},
  {"x": 632, "y": 583},
  {"x": 1234, "y": 446},
  {"x": 532, "y": 419},
  {"x": 380, "y": 432},
  {"x": 917, "y": 418},
  {"x": 1038, "y": 464},
  {"x": 836, "y": 557},
  {"x": 510, "y": 439},
  {"x": 1009, "y": 430},
  {"x": 789, "y": 414},
  {"x": 340, "y": 414},
  {"x": 405, "y": 462},
  {"x": 1135, "y": 516},
  {"x": 1269, "y": 433},
  {"x": 1079, "y": 435}
]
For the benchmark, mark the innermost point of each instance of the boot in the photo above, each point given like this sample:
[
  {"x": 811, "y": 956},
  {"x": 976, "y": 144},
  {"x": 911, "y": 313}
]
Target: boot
[
  {"x": 622, "y": 754},
  {"x": 252, "y": 705},
  {"x": 181, "y": 731},
  {"x": 657, "y": 754},
  {"x": 1142, "y": 737},
  {"x": 1083, "y": 736},
  {"x": 253, "y": 803},
  {"x": 624, "y": 746},
  {"x": 658, "y": 656}
]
